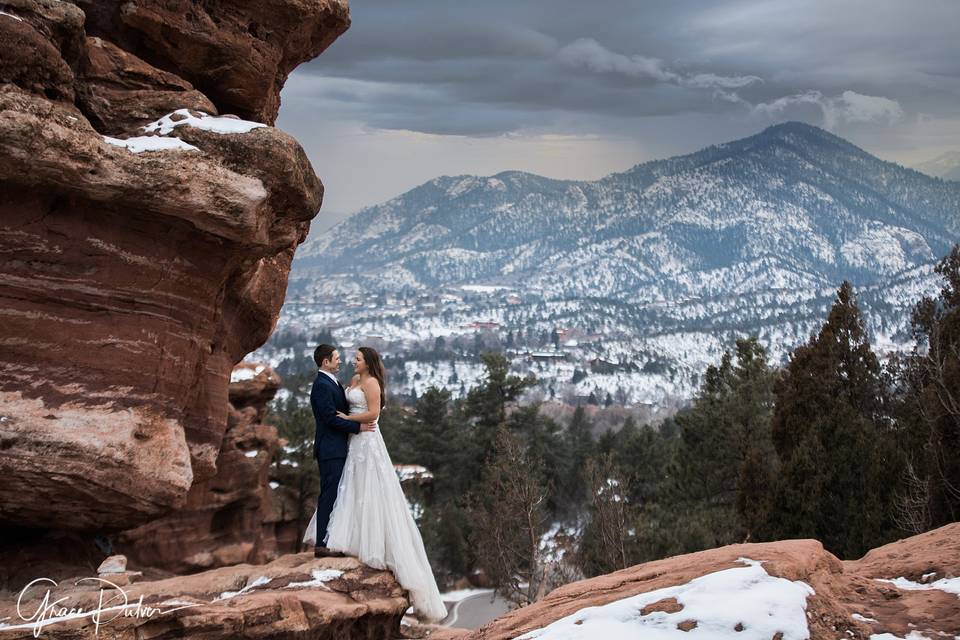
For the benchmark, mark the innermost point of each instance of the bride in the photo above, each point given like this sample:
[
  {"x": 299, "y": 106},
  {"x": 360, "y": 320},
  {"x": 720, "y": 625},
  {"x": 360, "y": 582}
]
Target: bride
[{"x": 371, "y": 517}]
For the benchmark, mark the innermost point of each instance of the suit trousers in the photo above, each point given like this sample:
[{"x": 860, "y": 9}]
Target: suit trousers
[{"x": 330, "y": 472}]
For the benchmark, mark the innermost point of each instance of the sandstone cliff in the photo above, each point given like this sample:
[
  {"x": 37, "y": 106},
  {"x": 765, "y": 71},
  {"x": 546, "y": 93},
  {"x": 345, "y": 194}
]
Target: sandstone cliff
[{"x": 131, "y": 280}]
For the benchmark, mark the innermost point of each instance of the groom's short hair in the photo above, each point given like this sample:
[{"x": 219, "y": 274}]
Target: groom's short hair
[{"x": 323, "y": 352}]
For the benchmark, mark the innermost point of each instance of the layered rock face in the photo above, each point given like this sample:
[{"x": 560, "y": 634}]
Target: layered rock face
[
  {"x": 232, "y": 517},
  {"x": 131, "y": 281},
  {"x": 901, "y": 588},
  {"x": 295, "y": 596}
]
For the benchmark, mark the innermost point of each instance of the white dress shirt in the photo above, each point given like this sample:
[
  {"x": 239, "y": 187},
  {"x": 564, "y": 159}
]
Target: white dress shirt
[{"x": 332, "y": 377}]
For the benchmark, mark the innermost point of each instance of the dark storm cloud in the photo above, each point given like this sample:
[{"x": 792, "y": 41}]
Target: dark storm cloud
[
  {"x": 499, "y": 66},
  {"x": 420, "y": 88}
]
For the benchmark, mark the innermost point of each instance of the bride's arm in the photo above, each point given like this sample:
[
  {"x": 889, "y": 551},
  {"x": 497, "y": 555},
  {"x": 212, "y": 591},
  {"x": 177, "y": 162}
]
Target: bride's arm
[{"x": 371, "y": 391}]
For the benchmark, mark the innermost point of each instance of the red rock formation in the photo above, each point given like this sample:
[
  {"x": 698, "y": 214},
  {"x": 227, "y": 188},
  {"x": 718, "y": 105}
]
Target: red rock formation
[
  {"x": 296, "y": 596},
  {"x": 841, "y": 588},
  {"x": 131, "y": 283},
  {"x": 229, "y": 518},
  {"x": 237, "y": 52}
]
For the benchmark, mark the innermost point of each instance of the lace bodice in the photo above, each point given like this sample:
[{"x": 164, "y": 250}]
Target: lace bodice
[{"x": 357, "y": 400}]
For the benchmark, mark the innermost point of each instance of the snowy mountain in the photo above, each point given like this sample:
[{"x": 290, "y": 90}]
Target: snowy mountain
[
  {"x": 946, "y": 166},
  {"x": 653, "y": 271}
]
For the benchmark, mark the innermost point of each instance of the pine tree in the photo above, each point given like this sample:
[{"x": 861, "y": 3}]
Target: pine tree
[
  {"x": 832, "y": 436},
  {"x": 752, "y": 407},
  {"x": 726, "y": 458},
  {"x": 484, "y": 411},
  {"x": 579, "y": 443}
]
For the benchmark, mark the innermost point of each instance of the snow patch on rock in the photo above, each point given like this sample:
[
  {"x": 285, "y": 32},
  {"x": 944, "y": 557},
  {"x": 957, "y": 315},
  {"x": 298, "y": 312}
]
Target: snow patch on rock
[
  {"x": 139, "y": 144},
  {"x": 760, "y": 604},
  {"x": 205, "y": 121}
]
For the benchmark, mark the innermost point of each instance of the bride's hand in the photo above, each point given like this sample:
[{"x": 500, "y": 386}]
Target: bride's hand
[{"x": 341, "y": 414}]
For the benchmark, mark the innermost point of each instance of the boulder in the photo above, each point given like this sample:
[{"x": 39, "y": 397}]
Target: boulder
[{"x": 113, "y": 564}]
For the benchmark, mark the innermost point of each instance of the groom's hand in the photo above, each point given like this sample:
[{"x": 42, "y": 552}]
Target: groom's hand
[{"x": 368, "y": 426}]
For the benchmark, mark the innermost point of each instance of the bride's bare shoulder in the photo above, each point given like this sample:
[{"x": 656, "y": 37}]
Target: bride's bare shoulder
[{"x": 371, "y": 384}]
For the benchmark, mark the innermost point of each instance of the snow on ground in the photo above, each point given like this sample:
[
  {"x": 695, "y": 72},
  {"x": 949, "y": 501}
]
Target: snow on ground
[
  {"x": 484, "y": 288},
  {"x": 762, "y": 604},
  {"x": 463, "y": 594},
  {"x": 252, "y": 585},
  {"x": 150, "y": 143},
  {"x": 950, "y": 585},
  {"x": 320, "y": 576},
  {"x": 216, "y": 124},
  {"x": 449, "y": 375}
]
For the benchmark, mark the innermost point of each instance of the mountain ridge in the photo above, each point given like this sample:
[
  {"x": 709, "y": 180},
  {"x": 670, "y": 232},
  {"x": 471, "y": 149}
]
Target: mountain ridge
[{"x": 476, "y": 220}]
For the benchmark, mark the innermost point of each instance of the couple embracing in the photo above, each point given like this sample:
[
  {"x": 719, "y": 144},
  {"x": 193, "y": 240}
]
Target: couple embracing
[{"x": 362, "y": 510}]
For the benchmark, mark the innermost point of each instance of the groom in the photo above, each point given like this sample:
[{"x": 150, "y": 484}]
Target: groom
[{"x": 330, "y": 442}]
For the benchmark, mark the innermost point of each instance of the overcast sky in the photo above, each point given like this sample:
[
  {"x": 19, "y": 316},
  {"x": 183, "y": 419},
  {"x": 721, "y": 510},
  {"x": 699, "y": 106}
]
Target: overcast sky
[{"x": 421, "y": 88}]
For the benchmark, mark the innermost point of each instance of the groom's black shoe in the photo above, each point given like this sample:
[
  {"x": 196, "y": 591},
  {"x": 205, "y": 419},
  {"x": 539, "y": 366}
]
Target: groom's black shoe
[{"x": 323, "y": 552}]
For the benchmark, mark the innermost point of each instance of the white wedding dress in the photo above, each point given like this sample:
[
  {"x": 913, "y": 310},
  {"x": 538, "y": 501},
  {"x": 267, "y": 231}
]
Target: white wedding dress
[{"x": 371, "y": 519}]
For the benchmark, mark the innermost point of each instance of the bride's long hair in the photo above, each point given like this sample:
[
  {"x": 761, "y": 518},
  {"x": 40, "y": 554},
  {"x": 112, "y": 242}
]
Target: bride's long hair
[{"x": 375, "y": 368}]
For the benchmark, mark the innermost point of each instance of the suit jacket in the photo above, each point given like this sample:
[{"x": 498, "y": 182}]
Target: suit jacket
[{"x": 326, "y": 398}]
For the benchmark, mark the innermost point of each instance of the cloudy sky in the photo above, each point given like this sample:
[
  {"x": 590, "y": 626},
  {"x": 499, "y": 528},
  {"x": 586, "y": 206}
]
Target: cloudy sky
[{"x": 570, "y": 89}]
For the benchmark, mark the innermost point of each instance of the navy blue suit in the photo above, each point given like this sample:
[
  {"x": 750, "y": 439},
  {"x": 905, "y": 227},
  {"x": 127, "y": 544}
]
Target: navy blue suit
[{"x": 329, "y": 444}]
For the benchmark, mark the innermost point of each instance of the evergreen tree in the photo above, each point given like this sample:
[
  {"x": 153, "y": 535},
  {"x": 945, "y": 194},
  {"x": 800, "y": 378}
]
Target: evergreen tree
[
  {"x": 485, "y": 409},
  {"x": 752, "y": 408},
  {"x": 834, "y": 440},
  {"x": 725, "y": 460},
  {"x": 578, "y": 440}
]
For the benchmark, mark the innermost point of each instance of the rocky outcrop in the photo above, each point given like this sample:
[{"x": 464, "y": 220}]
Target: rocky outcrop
[
  {"x": 237, "y": 52},
  {"x": 849, "y": 599},
  {"x": 231, "y": 517},
  {"x": 296, "y": 596},
  {"x": 132, "y": 280}
]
